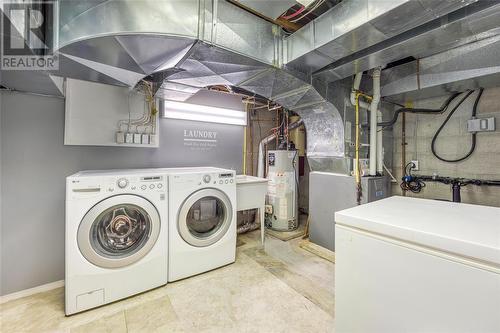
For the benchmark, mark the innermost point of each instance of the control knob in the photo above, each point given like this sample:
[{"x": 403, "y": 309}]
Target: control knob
[
  {"x": 207, "y": 178},
  {"x": 122, "y": 182}
]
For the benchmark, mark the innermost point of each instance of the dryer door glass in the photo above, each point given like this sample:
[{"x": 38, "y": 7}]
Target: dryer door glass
[
  {"x": 205, "y": 217},
  {"x": 118, "y": 231}
]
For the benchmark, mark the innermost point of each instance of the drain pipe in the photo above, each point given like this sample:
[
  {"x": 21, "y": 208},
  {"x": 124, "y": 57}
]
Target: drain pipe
[
  {"x": 260, "y": 159},
  {"x": 380, "y": 147},
  {"x": 264, "y": 142},
  {"x": 373, "y": 121}
]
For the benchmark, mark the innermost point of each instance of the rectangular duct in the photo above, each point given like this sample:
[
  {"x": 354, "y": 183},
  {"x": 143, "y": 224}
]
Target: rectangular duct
[
  {"x": 354, "y": 25},
  {"x": 465, "y": 67},
  {"x": 463, "y": 26}
]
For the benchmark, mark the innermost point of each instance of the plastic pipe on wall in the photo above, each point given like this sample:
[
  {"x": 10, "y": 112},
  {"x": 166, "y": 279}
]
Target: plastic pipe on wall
[
  {"x": 355, "y": 88},
  {"x": 260, "y": 159},
  {"x": 373, "y": 121},
  {"x": 380, "y": 148}
]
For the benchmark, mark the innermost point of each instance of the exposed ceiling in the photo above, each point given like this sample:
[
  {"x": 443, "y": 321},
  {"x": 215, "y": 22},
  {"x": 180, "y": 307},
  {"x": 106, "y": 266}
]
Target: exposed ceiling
[
  {"x": 291, "y": 15},
  {"x": 382, "y": 31}
]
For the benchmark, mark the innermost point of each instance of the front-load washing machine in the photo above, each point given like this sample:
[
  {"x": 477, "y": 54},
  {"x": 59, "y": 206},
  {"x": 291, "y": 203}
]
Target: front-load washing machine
[
  {"x": 202, "y": 220},
  {"x": 116, "y": 236}
]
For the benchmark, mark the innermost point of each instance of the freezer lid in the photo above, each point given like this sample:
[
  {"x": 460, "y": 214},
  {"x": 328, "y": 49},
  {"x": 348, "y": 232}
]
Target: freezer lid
[{"x": 468, "y": 230}]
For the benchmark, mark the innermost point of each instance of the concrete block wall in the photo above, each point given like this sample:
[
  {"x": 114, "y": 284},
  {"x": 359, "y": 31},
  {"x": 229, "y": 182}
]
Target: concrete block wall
[{"x": 453, "y": 142}]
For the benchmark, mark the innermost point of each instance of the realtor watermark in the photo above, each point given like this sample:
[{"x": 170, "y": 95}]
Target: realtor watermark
[{"x": 27, "y": 34}]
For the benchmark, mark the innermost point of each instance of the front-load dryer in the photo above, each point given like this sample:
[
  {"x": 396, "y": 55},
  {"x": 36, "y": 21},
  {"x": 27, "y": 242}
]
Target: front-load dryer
[
  {"x": 116, "y": 236},
  {"x": 202, "y": 220}
]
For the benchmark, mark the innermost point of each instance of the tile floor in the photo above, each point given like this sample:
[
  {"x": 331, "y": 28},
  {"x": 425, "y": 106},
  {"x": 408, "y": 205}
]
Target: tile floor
[{"x": 279, "y": 288}]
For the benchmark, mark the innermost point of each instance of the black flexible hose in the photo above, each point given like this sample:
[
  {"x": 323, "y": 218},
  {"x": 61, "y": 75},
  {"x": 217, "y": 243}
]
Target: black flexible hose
[
  {"x": 410, "y": 110},
  {"x": 473, "y": 135}
]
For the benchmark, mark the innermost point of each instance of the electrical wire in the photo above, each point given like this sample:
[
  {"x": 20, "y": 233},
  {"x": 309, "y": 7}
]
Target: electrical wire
[
  {"x": 473, "y": 135},
  {"x": 277, "y": 128},
  {"x": 442, "y": 109},
  {"x": 148, "y": 118},
  {"x": 411, "y": 183},
  {"x": 316, "y": 6},
  {"x": 294, "y": 14}
]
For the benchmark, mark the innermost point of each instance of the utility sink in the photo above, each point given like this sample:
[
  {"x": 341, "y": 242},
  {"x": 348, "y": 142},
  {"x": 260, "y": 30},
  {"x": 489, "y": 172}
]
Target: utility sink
[{"x": 250, "y": 192}]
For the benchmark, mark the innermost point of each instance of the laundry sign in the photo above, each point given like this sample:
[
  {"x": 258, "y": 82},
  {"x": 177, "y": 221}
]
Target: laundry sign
[
  {"x": 200, "y": 140},
  {"x": 193, "y": 143}
]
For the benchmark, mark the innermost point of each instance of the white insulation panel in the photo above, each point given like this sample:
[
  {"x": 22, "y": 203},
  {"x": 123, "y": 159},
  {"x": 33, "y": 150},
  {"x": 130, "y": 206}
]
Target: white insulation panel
[{"x": 93, "y": 111}]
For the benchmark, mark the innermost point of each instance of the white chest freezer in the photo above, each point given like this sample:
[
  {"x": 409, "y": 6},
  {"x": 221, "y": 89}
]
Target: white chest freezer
[{"x": 416, "y": 265}]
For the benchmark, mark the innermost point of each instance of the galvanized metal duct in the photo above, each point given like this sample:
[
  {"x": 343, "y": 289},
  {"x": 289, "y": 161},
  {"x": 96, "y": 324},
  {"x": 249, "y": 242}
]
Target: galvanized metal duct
[
  {"x": 466, "y": 67},
  {"x": 354, "y": 25},
  {"x": 208, "y": 65},
  {"x": 477, "y": 21},
  {"x": 206, "y": 43}
]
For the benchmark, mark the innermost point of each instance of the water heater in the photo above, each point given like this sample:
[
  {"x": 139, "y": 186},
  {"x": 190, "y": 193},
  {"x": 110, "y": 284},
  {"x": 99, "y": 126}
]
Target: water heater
[{"x": 282, "y": 189}]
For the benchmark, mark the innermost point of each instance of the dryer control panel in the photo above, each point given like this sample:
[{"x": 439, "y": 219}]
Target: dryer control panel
[{"x": 206, "y": 179}]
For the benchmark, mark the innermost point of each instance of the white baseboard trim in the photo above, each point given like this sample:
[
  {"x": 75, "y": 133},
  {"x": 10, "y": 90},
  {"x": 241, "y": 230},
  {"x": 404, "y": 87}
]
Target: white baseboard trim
[{"x": 31, "y": 291}]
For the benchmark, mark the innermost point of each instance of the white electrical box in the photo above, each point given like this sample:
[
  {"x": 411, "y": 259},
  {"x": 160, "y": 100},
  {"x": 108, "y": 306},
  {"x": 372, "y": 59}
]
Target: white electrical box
[
  {"x": 94, "y": 110},
  {"x": 481, "y": 125}
]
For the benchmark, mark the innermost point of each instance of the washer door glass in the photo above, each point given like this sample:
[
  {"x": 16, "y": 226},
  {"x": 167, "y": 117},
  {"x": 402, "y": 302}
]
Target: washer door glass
[
  {"x": 205, "y": 217},
  {"x": 118, "y": 231}
]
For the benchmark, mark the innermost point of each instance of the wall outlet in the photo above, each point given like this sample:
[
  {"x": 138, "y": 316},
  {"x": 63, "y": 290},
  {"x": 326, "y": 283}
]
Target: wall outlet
[
  {"x": 269, "y": 209},
  {"x": 416, "y": 165}
]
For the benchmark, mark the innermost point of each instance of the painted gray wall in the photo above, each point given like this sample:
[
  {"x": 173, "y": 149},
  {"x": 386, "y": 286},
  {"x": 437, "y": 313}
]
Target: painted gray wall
[{"x": 35, "y": 163}]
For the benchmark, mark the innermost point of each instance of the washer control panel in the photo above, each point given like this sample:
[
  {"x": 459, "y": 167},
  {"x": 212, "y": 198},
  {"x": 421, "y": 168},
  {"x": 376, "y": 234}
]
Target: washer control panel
[
  {"x": 88, "y": 187},
  {"x": 139, "y": 184},
  {"x": 122, "y": 182}
]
